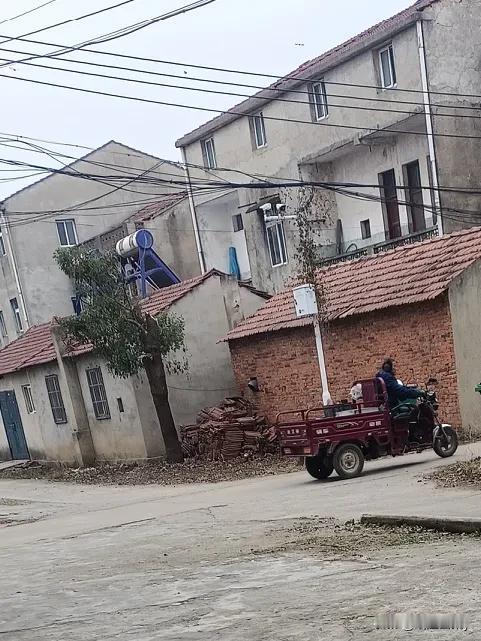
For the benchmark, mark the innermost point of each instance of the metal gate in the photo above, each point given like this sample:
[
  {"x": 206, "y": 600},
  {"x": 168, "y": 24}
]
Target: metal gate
[{"x": 13, "y": 425}]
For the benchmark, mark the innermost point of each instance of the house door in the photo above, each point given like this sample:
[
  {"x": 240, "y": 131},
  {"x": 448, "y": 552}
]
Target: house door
[
  {"x": 13, "y": 425},
  {"x": 392, "y": 224},
  {"x": 414, "y": 197}
]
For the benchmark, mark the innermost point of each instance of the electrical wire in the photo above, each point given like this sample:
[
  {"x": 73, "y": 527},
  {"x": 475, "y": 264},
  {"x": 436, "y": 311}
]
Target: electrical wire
[
  {"x": 371, "y": 130},
  {"x": 25, "y": 13},
  {"x": 234, "y": 94}
]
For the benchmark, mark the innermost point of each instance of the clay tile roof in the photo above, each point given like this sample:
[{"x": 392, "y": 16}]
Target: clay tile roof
[
  {"x": 329, "y": 59},
  {"x": 33, "y": 348},
  {"x": 162, "y": 204},
  {"x": 408, "y": 274}
]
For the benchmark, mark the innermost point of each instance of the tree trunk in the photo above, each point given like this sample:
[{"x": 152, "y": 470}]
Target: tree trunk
[{"x": 154, "y": 367}]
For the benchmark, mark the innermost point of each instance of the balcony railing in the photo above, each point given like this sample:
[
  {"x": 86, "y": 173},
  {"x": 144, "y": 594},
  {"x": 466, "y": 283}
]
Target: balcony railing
[{"x": 378, "y": 248}]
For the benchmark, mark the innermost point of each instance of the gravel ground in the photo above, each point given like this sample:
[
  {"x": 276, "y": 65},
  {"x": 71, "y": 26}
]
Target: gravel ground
[
  {"x": 157, "y": 472},
  {"x": 462, "y": 474}
]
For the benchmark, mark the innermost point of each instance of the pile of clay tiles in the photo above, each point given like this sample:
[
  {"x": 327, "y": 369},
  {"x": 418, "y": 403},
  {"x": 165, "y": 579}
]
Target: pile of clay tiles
[{"x": 231, "y": 429}]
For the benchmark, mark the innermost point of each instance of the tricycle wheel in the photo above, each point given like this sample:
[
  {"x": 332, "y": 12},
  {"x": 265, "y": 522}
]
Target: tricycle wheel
[
  {"x": 446, "y": 443},
  {"x": 348, "y": 460},
  {"x": 320, "y": 467}
]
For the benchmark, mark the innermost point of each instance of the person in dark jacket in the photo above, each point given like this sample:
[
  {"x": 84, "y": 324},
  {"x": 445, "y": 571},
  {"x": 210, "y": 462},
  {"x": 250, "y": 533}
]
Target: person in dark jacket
[{"x": 395, "y": 391}]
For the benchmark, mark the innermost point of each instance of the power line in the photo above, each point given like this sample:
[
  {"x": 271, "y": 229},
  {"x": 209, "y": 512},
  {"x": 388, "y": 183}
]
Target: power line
[
  {"x": 68, "y": 21},
  {"x": 25, "y": 13},
  {"x": 292, "y": 76},
  {"x": 113, "y": 35},
  {"x": 229, "y": 93},
  {"x": 231, "y": 111}
]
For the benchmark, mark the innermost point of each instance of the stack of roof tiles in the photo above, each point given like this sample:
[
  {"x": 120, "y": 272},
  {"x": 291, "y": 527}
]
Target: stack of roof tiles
[{"x": 231, "y": 429}]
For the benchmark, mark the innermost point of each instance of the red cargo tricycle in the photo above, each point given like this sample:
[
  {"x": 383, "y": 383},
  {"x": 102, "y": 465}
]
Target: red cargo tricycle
[{"x": 341, "y": 437}]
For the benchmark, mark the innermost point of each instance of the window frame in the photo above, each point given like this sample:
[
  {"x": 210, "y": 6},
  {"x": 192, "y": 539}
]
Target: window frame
[
  {"x": 3, "y": 249},
  {"x": 208, "y": 153},
  {"x": 319, "y": 99},
  {"x": 280, "y": 238},
  {"x": 235, "y": 223},
  {"x": 3, "y": 325},
  {"x": 28, "y": 398},
  {"x": 98, "y": 393},
  {"x": 55, "y": 393},
  {"x": 259, "y": 118},
  {"x": 17, "y": 314},
  {"x": 388, "y": 48},
  {"x": 366, "y": 229},
  {"x": 64, "y": 221}
]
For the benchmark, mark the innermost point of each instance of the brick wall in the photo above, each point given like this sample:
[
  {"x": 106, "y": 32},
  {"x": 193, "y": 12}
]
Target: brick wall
[{"x": 418, "y": 337}]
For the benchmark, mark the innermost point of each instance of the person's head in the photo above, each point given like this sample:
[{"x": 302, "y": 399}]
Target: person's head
[{"x": 388, "y": 365}]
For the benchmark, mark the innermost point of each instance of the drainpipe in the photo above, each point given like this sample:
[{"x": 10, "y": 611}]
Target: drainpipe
[
  {"x": 193, "y": 213},
  {"x": 6, "y": 226},
  {"x": 429, "y": 124}
]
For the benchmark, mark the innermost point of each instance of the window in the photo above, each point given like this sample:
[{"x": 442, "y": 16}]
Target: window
[
  {"x": 77, "y": 304},
  {"x": 2, "y": 244},
  {"x": 390, "y": 204},
  {"x": 386, "y": 67},
  {"x": 208, "y": 153},
  {"x": 27, "y": 395},
  {"x": 3, "y": 327},
  {"x": 319, "y": 99},
  {"x": 237, "y": 222},
  {"x": 55, "y": 398},
  {"x": 16, "y": 314},
  {"x": 365, "y": 229},
  {"x": 276, "y": 242},
  {"x": 67, "y": 233},
  {"x": 259, "y": 130},
  {"x": 97, "y": 393}
]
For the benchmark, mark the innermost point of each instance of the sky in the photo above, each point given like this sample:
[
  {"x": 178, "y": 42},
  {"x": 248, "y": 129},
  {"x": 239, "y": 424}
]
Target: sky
[{"x": 268, "y": 36}]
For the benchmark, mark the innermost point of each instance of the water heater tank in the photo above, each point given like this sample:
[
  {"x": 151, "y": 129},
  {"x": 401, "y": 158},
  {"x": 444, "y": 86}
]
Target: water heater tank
[{"x": 129, "y": 246}]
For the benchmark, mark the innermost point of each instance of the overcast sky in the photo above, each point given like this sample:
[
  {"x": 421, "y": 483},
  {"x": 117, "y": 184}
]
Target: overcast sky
[{"x": 268, "y": 36}]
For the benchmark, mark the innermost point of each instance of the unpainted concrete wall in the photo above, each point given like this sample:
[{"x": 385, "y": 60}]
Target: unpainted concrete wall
[
  {"x": 209, "y": 312},
  {"x": 465, "y": 306}
]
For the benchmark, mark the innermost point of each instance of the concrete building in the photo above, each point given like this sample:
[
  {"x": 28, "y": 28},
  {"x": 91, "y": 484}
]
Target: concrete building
[
  {"x": 59, "y": 405},
  {"x": 91, "y": 197},
  {"x": 393, "y": 109},
  {"x": 419, "y": 304}
]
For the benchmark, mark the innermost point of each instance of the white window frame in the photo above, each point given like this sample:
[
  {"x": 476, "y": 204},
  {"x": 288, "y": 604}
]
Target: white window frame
[
  {"x": 275, "y": 233},
  {"x": 63, "y": 221},
  {"x": 28, "y": 398},
  {"x": 17, "y": 314},
  {"x": 210, "y": 159},
  {"x": 3, "y": 325},
  {"x": 259, "y": 129},
  {"x": 319, "y": 98},
  {"x": 392, "y": 67},
  {"x": 3, "y": 250}
]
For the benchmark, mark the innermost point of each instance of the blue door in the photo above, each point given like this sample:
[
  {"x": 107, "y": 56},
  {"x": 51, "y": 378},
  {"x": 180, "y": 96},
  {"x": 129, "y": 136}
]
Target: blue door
[{"x": 13, "y": 425}]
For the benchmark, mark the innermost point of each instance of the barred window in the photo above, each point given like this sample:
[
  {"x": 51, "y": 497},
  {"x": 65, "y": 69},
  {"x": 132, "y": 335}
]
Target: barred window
[
  {"x": 97, "y": 393},
  {"x": 55, "y": 398}
]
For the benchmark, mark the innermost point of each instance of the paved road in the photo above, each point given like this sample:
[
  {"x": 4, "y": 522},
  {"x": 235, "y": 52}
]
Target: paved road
[{"x": 205, "y": 561}]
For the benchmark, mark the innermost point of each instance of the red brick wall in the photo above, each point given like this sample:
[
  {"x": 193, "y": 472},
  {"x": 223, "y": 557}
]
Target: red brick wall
[{"x": 418, "y": 337}]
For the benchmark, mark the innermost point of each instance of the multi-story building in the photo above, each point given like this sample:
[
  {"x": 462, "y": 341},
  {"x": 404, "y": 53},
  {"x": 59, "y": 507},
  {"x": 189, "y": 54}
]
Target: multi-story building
[
  {"x": 394, "y": 110},
  {"x": 108, "y": 192}
]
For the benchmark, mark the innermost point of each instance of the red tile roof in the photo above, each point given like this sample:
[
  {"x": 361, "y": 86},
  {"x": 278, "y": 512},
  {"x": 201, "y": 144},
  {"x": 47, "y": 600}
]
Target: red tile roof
[
  {"x": 311, "y": 68},
  {"x": 408, "y": 274},
  {"x": 35, "y": 347},
  {"x": 162, "y": 204}
]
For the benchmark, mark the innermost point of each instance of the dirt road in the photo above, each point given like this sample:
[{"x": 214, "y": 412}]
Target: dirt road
[{"x": 220, "y": 561}]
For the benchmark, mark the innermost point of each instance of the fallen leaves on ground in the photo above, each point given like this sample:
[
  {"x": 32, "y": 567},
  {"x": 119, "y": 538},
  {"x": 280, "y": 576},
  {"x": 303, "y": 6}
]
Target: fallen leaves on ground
[
  {"x": 158, "y": 472},
  {"x": 464, "y": 473},
  {"x": 353, "y": 539}
]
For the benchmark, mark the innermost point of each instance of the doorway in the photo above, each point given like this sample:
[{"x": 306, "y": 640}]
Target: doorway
[
  {"x": 414, "y": 197},
  {"x": 390, "y": 205},
  {"x": 13, "y": 426}
]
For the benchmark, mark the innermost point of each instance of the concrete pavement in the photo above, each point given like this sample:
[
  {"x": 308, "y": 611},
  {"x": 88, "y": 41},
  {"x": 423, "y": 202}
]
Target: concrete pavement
[{"x": 197, "y": 562}]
